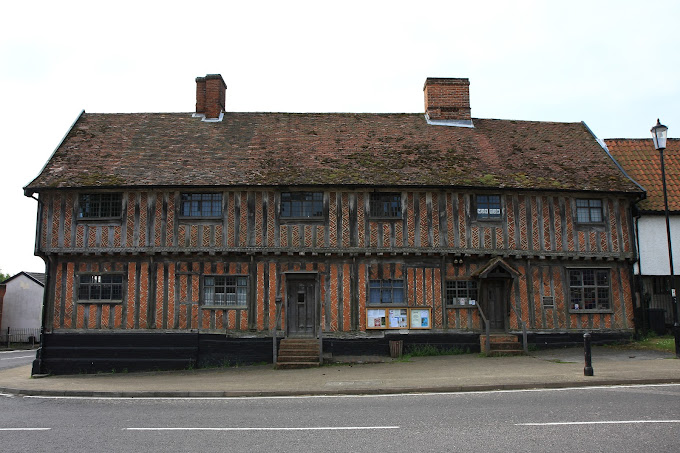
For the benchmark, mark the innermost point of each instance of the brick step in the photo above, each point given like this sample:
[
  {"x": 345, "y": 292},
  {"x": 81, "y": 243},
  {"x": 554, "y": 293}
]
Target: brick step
[
  {"x": 505, "y": 346},
  {"x": 295, "y": 353},
  {"x": 503, "y": 353},
  {"x": 314, "y": 350},
  {"x": 298, "y": 353},
  {"x": 293, "y": 365},
  {"x": 308, "y": 359},
  {"x": 310, "y": 351},
  {"x": 503, "y": 339},
  {"x": 501, "y": 344}
]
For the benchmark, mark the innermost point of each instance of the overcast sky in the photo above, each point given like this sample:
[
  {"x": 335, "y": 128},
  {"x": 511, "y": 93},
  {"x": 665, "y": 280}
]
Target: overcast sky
[{"x": 612, "y": 64}]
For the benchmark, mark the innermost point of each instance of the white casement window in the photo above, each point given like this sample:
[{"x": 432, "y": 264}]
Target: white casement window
[
  {"x": 386, "y": 292},
  {"x": 100, "y": 205},
  {"x": 225, "y": 290},
  {"x": 589, "y": 211},
  {"x": 302, "y": 205},
  {"x": 461, "y": 292},
  {"x": 385, "y": 205},
  {"x": 201, "y": 205},
  {"x": 100, "y": 287},
  {"x": 488, "y": 207},
  {"x": 589, "y": 289}
]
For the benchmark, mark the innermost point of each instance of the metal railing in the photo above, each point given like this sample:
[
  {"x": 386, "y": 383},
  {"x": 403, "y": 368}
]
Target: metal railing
[
  {"x": 277, "y": 321},
  {"x": 321, "y": 340},
  {"x": 525, "y": 346},
  {"x": 20, "y": 335},
  {"x": 487, "y": 342}
]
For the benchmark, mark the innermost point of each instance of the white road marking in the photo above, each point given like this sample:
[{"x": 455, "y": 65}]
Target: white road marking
[
  {"x": 15, "y": 358},
  {"x": 25, "y": 429},
  {"x": 602, "y": 422},
  {"x": 310, "y": 428},
  {"x": 389, "y": 395}
]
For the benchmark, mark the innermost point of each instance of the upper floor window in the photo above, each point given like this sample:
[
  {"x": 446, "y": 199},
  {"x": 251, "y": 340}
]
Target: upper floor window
[
  {"x": 100, "y": 205},
  {"x": 488, "y": 207},
  {"x": 100, "y": 287},
  {"x": 302, "y": 204},
  {"x": 589, "y": 211},
  {"x": 386, "y": 205},
  {"x": 225, "y": 290},
  {"x": 386, "y": 292},
  {"x": 201, "y": 205},
  {"x": 461, "y": 292},
  {"x": 589, "y": 289}
]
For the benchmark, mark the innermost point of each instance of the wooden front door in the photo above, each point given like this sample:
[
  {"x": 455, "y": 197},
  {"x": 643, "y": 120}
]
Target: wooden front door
[
  {"x": 301, "y": 306},
  {"x": 493, "y": 304}
]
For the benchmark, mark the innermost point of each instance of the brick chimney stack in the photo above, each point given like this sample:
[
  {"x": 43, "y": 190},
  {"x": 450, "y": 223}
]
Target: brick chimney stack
[
  {"x": 447, "y": 99},
  {"x": 210, "y": 95}
]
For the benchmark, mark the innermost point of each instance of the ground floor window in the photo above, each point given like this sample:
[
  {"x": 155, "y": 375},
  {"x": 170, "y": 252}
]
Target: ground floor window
[
  {"x": 589, "y": 289},
  {"x": 225, "y": 290},
  {"x": 386, "y": 292},
  {"x": 100, "y": 287},
  {"x": 461, "y": 292},
  {"x": 661, "y": 285}
]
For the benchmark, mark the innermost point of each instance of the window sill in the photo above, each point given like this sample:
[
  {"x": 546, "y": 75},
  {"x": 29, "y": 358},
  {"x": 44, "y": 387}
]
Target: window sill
[
  {"x": 100, "y": 220},
  {"x": 285, "y": 220},
  {"x": 386, "y": 305},
  {"x": 224, "y": 307},
  {"x": 195, "y": 220},
  {"x": 590, "y": 226},
  {"x": 100, "y": 302},
  {"x": 385, "y": 219},
  {"x": 589, "y": 311},
  {"x": 462, "y": 306},
  {"x": 489, "y": 222}
]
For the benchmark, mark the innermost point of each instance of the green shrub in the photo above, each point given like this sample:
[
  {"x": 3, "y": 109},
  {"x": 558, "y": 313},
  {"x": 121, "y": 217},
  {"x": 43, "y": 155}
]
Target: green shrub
[{"x": 428, "y": 350}]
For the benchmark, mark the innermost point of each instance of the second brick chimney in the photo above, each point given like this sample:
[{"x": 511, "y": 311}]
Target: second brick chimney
[
  {"x": 210, "y": 95},
  {"x": 447, "y": 99}
]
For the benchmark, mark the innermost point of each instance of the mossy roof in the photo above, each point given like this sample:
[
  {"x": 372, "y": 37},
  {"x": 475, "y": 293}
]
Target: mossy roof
[{"x": 327, "y": 149}]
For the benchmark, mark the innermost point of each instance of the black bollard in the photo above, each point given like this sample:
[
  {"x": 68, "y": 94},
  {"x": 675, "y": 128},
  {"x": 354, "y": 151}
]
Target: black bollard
[{"x": 588, "y": 370}]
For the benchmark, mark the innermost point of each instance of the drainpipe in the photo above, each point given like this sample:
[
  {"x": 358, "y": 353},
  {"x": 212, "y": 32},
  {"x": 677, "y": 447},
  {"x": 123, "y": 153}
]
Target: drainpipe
[
  {"x": 638, "y": 260},
  {"x": 38, "y": 367}
]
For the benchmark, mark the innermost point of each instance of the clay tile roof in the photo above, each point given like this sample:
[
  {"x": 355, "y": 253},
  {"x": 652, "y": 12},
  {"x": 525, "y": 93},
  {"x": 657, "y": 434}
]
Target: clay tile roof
[
  {"x": 641, "y": 161},
  {"x": 295, "y": 149}
]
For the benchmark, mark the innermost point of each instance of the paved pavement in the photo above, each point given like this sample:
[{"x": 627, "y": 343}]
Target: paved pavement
[{"x": 556, "y": 368}]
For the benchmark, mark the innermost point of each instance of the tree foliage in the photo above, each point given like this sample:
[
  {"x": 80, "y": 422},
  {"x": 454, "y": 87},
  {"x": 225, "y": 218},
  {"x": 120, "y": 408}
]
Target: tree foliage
[{"x": 3, "y": 276}]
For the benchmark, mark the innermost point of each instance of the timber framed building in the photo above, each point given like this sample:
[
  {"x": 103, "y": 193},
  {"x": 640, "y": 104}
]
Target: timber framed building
[{"x": 169, "y": 237}]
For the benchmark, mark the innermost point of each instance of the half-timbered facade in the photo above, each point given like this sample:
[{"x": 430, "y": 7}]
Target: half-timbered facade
[{"x": 169, "y": 238}]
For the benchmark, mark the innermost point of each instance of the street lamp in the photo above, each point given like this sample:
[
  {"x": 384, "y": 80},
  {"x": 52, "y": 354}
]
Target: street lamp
[{"x": 659, "y": 135}]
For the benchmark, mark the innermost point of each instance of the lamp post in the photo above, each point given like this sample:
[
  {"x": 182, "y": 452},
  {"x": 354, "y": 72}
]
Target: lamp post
[{"x": 659, "y": 135}]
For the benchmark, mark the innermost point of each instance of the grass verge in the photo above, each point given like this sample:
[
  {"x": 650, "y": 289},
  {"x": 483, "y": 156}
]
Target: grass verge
[{"x": 665, "y": 343}]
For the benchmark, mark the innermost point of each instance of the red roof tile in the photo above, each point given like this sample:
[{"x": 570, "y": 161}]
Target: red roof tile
[
  {"x": 642, "y": 163},
  {"x": 273, "y": 149}
]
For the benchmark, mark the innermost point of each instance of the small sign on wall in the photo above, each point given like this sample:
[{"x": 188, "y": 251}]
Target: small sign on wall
[
  {"x": 375, "y": 319},
  {"x": 399, "y": 318},
  {"x": 420, "y": 318}
]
